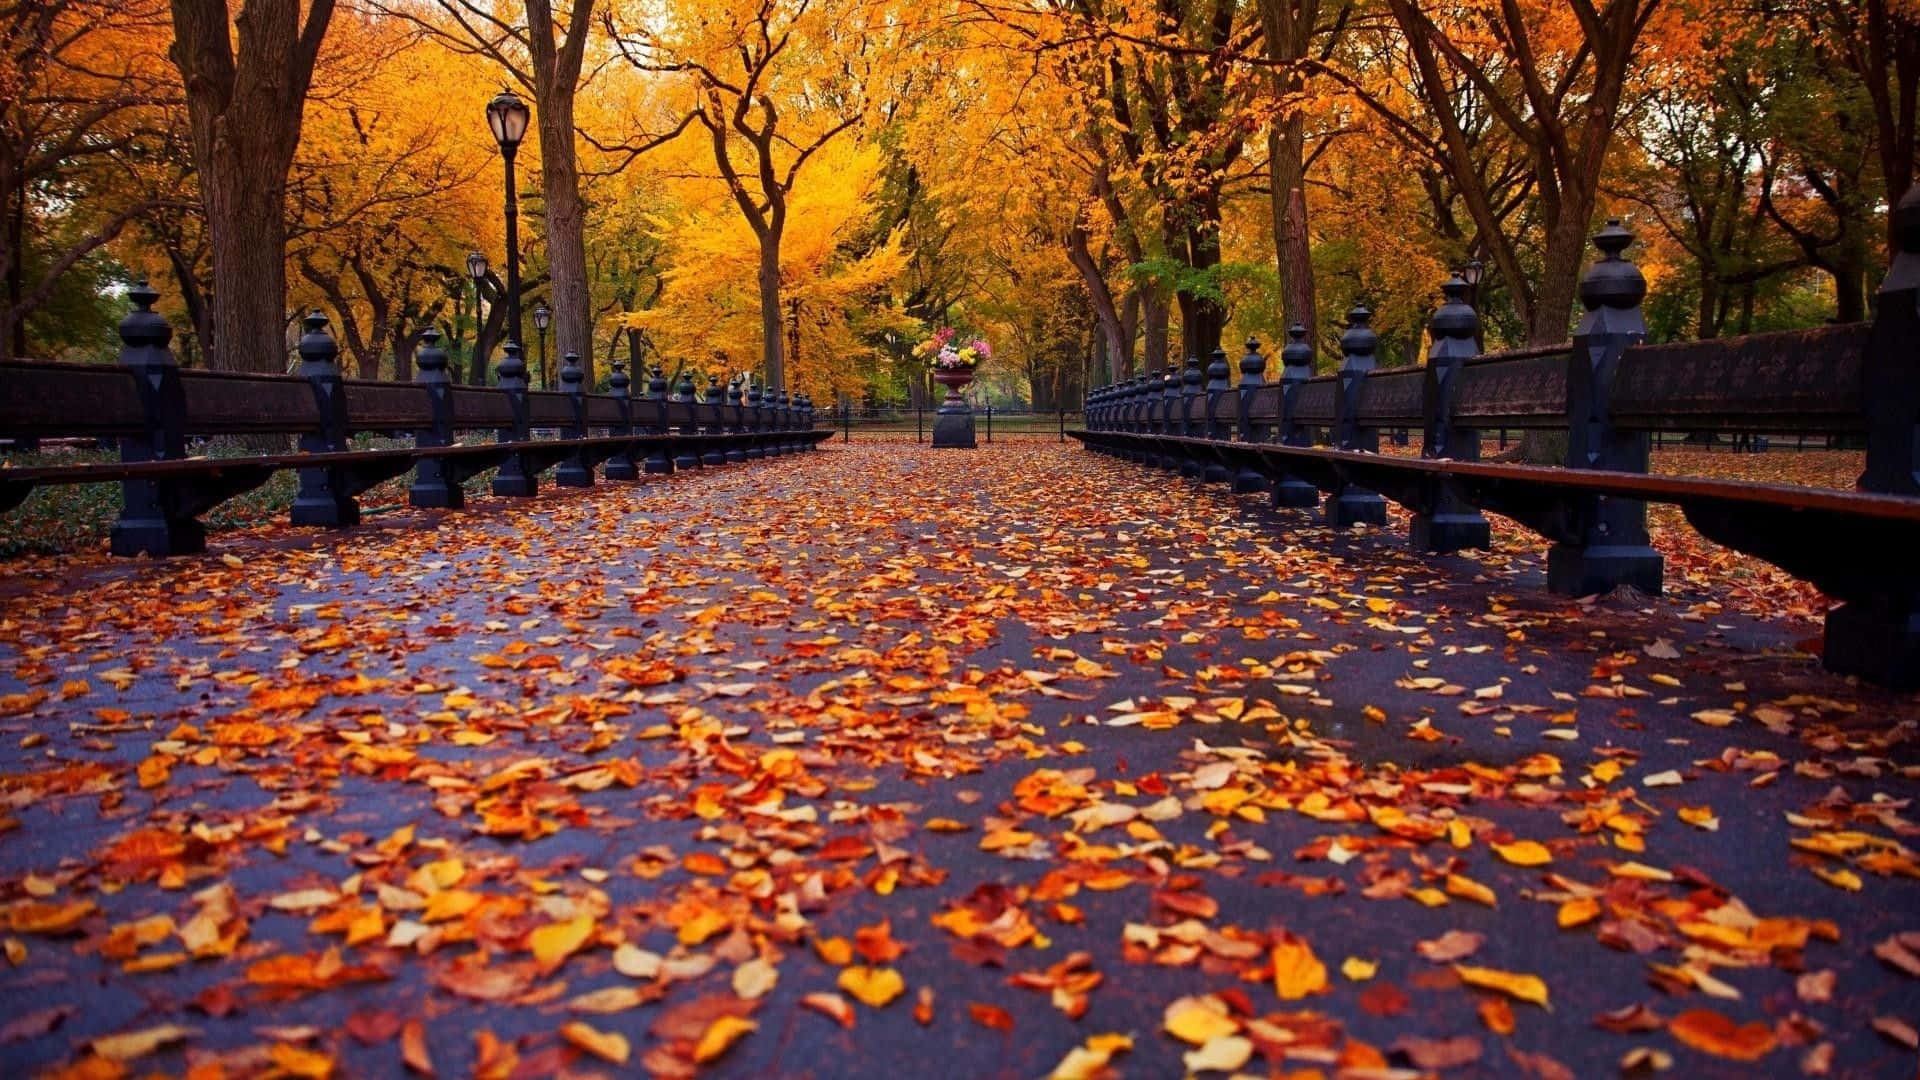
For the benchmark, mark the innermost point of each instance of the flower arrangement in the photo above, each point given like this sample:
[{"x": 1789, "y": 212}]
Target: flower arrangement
[{"x": 946, "y": 352}]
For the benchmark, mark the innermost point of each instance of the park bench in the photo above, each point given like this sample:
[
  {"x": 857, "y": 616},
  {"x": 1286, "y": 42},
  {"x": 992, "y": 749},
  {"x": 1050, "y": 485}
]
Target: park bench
[
  {"x": 1609, "y": 392},
  {"x": 152, "y": 408}
]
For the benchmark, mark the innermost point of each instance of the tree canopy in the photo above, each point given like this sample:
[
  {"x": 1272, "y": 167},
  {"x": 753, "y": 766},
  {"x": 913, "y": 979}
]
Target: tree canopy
[{"x": 804, "y": 189}]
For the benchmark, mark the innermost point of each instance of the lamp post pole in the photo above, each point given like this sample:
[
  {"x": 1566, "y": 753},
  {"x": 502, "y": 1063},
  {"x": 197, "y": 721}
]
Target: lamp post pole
[{"x": 513, "y": 250}]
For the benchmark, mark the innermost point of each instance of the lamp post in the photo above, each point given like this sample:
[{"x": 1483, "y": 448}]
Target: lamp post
[
  {"x": 477, "y": 270},
  {"x": 541, "y": 318},
  {"x": 507, "y": 115}
]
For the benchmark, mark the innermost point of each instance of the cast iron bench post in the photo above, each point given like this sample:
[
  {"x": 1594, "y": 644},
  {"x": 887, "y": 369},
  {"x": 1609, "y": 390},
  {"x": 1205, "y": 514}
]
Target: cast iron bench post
[
  {"x": 658, "y": 458},
  {"x": 715, "y": 454},
  {"x": 1296, "y": 367},
  {"x": 1253, "y": 377},
  {"x": 576, "y": 469},
  {"x": 1452, "y": 523},
  {"x": 1352, "y": 504},
  {"x": 621, "y": 465},
  {"x": 683, "y": 394},
  {"x": 1219, "y": 385},
  {"x": 321, "y": 498},
  {"x": 1613, "y": 549},
  {"x": 151, "y": 521},
  {"x": 515, "y": 478},
  {"x": 1879, "y": 638},
  {"x": 434, "y": 484}
]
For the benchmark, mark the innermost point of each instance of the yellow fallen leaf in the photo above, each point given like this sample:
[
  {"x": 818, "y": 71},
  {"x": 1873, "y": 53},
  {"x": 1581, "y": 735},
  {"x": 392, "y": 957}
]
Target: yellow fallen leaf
[
  {"x": 1529, "y": 988},
  {"x": 128, "y": 1045},
  {"x": 719, "y": 1036},
  {"x": 1199, "y": 1020},
  {"x": 1639, "y": 872},
  {"x": 1578, "y": 912},
  {"x": 1358, "y": 970},
  {"x": 1524, "y": 853},
  {"x": 554, "y": 942},
  {"x": 1468, "y": 889},
  {"x": 1224, "y": 1054},
  {"x": 1839, "y": 879},
  {"x": 608, "y": 1046},
  {"x": 1296, "y": 971},
  {"x": 874, "y": 986}
]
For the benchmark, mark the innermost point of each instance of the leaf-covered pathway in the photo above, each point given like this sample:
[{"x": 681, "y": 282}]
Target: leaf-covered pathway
[{"x": 883, "y": 759}]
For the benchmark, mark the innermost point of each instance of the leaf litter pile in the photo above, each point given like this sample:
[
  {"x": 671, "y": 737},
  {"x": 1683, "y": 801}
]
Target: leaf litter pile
[{"x": 1021, "y": 762}]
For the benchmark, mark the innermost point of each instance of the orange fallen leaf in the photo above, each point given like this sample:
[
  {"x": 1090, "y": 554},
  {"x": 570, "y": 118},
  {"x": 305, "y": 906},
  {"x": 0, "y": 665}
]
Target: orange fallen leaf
[
  {"x": 610, "y": 1046},
  {"x": 1712, "y": 1033},
  {"x": 720, "y": 1037}
]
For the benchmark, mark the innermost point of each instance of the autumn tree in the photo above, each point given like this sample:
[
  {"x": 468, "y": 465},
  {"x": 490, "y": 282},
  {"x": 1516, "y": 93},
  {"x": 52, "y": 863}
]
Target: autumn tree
[
  {"x": 772, "y": 84},
  {"x": 83, "y": 86}
]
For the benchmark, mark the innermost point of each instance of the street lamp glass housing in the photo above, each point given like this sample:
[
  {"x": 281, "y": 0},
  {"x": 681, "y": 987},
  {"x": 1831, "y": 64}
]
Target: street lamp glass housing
[
  {"x": 1471, "y": 272},
  {"x": 542, "y": 317},
  {"x": 477, "y": 267},
  {"x": 507, "y": 115}
]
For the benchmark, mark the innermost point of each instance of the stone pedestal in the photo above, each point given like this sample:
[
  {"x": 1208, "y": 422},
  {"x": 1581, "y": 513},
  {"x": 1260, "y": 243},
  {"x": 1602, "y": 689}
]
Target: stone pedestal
[{"x": 953, "y": 427}]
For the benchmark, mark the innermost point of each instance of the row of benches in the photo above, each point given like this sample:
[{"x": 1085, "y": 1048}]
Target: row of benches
[{"x": 1608, "y": 392}]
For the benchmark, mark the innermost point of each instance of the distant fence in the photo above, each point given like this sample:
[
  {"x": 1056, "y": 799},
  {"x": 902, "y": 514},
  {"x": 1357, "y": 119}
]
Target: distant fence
[
  {"x": 990, "y": 423},
  {"x": 151, "y": 406},
  {"x": 1610, "y": 394}
]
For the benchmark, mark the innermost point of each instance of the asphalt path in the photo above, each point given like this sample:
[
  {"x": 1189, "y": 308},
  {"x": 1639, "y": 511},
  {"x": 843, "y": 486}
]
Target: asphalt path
[{"x": 879, "y": 684}]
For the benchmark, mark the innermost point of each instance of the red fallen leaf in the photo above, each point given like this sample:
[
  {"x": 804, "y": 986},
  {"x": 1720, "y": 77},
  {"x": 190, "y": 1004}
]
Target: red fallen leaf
[
  {"x": 369, "y": 1026},
  {"x": 1540, "y": 1065},
  {"x": 1630, "y": 1018},
  {"x": 923, "y": 1006},
  {"x": 216, "y": 1001},
  {"x": 1384, "y": 999},
  {"x": 1712, "y": 1033},
  {"x": 1436, "y": 1053},
  {"x": 1192, "y": 903},
  {"x": 690, "y": 1019},
  {"x": 847, "y": 848},
  {"x": 876, "y": 943},
  {"x": 991, "y": 1016},
  {"x": 34, "y": 1024}
]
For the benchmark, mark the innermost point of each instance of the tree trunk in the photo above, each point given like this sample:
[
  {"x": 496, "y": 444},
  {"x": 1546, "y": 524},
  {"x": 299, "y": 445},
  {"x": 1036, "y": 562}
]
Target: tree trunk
[
  {"x": 246, "y": 214},
  {"x": 771, "y": 330},
  {"x": 566, "y": 233},
  {"x": 246, "y": 79},
  {"x": 1119, "y": 342},
  {"x": 1155, "y": 312}
]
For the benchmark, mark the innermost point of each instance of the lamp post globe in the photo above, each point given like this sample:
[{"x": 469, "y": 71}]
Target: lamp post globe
[{"x": 477, "y": 267}]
